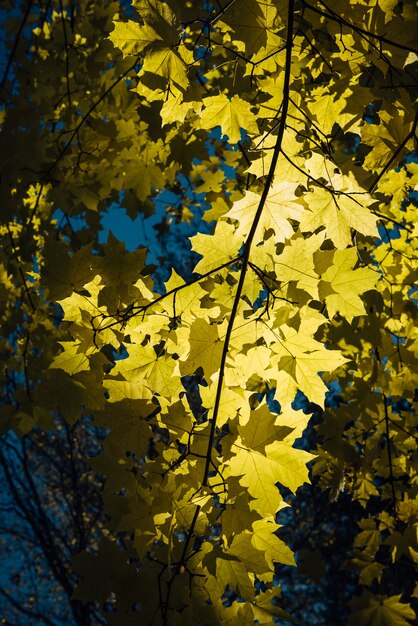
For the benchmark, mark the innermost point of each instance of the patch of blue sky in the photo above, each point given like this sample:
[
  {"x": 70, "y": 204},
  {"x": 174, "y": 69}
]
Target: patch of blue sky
[
  {"x": 370, "y": 114},
  {"x": 78, "y": 222},
  {"x": 217, "y": 135},
  {"x": 399, "y": 341},
  {"x": 388, "y": 234},
  {"x": 165, "y": 249},
  {"x": 201, "y": 51},
  {"x": 412, "y": 157},
  {"x": 401, "y": 405},
  {"x": 127, "y": 5},
  {"x": 261, "y": 300},
  {"x": 413, "y": 290}
]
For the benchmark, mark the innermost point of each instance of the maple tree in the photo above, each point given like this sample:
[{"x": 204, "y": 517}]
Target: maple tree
[{"x": 293, "y": 125}]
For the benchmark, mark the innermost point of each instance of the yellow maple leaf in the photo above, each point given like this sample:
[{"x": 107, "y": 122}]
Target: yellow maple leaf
[
  {"x": 216, "y": 249},
  {"x": 175, "y": 110},
  {"x": 273, "y": 548},
  {"x": 249, "y": 22},
  {"x": 260, "y": 473},
  {"x": 261, "y": 429},
  {"x": 233, "y": 400},
  {"x": 296, "y": 264},
  {"x": 243, "y": 366},
  {"x": 70, "y": 359},
  {"x": 299, "y": 359},
  {"x": 144, "y": 368},
  {"x": 167, "y": 63},
  {"x": 339, "y": 213},
  {"x": 340, "y": 285},
  {"x": 230, "y": 570},
  {"x": 326, "y": 108},
  {"x": 281, "y": 205},
  {"x": 205, "y": 349},
  {"x": 132, "y": 38},
  {"x": 230, "y": 114},
  {"x": 287, "y": 169},
  {"x": 185, "y": 303},
  {"x": 386, "y": 137}
]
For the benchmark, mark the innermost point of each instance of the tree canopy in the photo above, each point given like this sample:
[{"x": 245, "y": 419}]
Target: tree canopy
[{"x": 283, "y": 132}]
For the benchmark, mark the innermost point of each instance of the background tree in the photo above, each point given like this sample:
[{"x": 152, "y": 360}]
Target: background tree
[
  {"x": 50, "y": 510},
  {"x": 195, "y": 380}
]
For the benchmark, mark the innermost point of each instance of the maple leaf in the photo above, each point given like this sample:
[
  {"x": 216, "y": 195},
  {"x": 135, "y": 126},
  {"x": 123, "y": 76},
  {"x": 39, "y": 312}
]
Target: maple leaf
[
  {"x": 340, "y": 285},
  {"x": 243, "y": 546},
  {"x": 230, "y": 114},
  {"x": 175, "y": 109},
  {"x": 233, "y": 400},
  {"x": 260, "y": 473},
  {"x": 132, "y": 38},
  {"x": 70, "y": 359},
  {"x": 377, "y": 610},
  {"x": 249, "y": 22},
  {"x": 281, "y": 206},
  {"x": 216, "y": 249},
  {"x": 387, "y": 136},
  {"x": 273, "y": 548},
  {"x": 145, "y": 368},
  {"x": 237, "y": 516},
  {"x": 339, "y": 214},
  {"x": 296, "y": 263},
  {"x": 230, "y": 570},
  {"x": 186, "y": 303},
  {"x": 169, "y": 64},
  {"x": 299, "y": 359},
  {"x": 205, "y": 348},
  {"x": 261, "y": 429},
  {"x": 241, "y": 367},
  {"x": 264, "y": 609},
  {"x": 327, "y": 108}
]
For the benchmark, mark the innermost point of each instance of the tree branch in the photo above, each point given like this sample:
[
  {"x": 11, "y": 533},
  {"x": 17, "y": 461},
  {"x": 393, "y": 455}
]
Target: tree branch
[
  {"x": 337, "y": 18},
  {"x": 251, "y": 234},
  {"x": 27, "y": 8}
]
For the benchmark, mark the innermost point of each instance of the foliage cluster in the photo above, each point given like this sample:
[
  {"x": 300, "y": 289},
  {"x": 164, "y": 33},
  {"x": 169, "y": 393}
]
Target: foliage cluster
[{"x": 306, "y": 280}]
